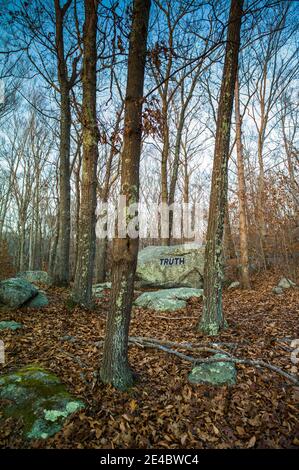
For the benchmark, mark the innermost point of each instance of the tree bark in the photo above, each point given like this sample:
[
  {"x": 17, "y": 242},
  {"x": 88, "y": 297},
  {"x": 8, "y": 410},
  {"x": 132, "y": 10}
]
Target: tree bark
[
  {"x": 244, "y": 258},
  {"x": 115, "y": 367},
  {"x": 61, "y": 270},
  {"x": 212, "y": 318},
  {"x": 228, "y": 242},
  {"x": 164, "y": 219},
  {"x": 82, "y": 290}
]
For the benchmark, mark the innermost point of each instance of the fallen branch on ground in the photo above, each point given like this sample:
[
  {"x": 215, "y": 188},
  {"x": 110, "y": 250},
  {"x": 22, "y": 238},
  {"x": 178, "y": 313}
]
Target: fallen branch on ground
[
  {"x": 258, "y": 363},
  {"x": 165, "y": 346}
]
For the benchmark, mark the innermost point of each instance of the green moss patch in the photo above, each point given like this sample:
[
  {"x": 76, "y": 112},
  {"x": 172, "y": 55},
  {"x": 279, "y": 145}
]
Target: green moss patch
[{"x": 39, "y": 398}]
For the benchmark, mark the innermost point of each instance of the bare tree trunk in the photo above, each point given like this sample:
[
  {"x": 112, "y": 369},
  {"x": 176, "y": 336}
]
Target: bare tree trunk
[
  {"x": 61, "y": 276},
  {"x": 174, "y": 177},
  {"x": 22, "y": 234},
  {"x": 164, "y": 189},
  {"x": 77, "y": 210},
  {"x": 260, "y": 199},
  {"x": 212, "y": 318},
  {"x": 228, "y": 242},
  {"x": 115, "y": 367},
  {"x": 53, "y": 249},
  {"x": 62, "y": 269},
  {"x": 82, "y": 290},
  {"x": 102, "y": 251},
  {"x": 241, "y": 195},
  {"x": 104, "y": 193}
]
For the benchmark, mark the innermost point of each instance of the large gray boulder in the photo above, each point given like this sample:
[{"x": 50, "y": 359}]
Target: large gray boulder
[
  {"x": 14, "y": 292},
  {"x": 167, "y": 299},
  {"x": 36, "y": 276},
  {"x": 38, "y": 397},
  {"x": 214, "y": 373},
  {"x": 171, "y": 266}
]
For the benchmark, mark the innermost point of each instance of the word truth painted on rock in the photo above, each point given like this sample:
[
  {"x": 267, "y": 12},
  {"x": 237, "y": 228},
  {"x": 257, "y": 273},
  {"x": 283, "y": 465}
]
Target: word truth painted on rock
[{"x": 171, "y": 261}]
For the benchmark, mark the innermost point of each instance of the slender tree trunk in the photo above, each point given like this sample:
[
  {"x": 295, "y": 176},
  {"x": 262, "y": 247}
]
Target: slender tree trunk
[
  {"x": 175, "y": 171},
  {"x": 177, "y": 148},
  {"x": 261, "y": 199},
  {"x": 77, "y": 210},
  {"x": 102, "y": 249},
  {"x": 103, "y": 242},
  {"x": 61, "y": 276},
  {"x": 115, "y": 367},
  {"x": 244, "y": 258},
  {"x": 53, "y": 249},
  {"x": 293, "y": 183},
  {"x": 228, "y": 242},
  {"x": 82, "y": 290},
  {"x": 22, "y": 232},
  {"x": 212, "y": 318},
  {"x": 62, "y": 269},
  {"x": 31, "y": 246},
  {"x": 164, "y": 217}
]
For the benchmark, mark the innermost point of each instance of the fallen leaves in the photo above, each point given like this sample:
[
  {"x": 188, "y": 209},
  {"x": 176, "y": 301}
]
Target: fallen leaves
[{"x": 163, "y": 410}]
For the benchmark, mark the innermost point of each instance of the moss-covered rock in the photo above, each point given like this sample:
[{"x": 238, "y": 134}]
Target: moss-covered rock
[
  {"x": 214, "y": 373},
  {"x": 171, "y": 266},
  {"x": 10, "y": 325},
  {"x": 40, "y": 300},
  {"x": 39, "y": 398},
  {"x": 167, "y": 299},
  {"x": 36, "y": 276},
  {"x": 14, "y": 292}
]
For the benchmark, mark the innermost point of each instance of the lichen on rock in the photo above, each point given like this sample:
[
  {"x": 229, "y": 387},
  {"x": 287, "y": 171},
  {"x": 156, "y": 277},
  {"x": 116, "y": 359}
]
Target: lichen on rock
[
  {"x": 167, "y": 299},
  {"x": 39, "y": 398},
  {"x": 214, "y": 373},
  {"x": 14, "y": 292}
]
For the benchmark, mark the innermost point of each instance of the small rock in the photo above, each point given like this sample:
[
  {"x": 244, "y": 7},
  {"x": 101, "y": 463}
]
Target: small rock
[
  {"x": 215, "y": 373},
  {"x": 10, "y": 325},
  {"x": 285, "y": 283},
  {"x": 234, "y": 285},
  {"x": 277, "y": 290},
  {"x": 69, "y": 338}
]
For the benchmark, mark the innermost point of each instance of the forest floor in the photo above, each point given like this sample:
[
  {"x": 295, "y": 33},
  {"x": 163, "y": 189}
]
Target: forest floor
[{"x": 163, "y": 410}]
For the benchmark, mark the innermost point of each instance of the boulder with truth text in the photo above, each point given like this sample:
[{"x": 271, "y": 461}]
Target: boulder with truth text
[{"x": 171, "y": 266}]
